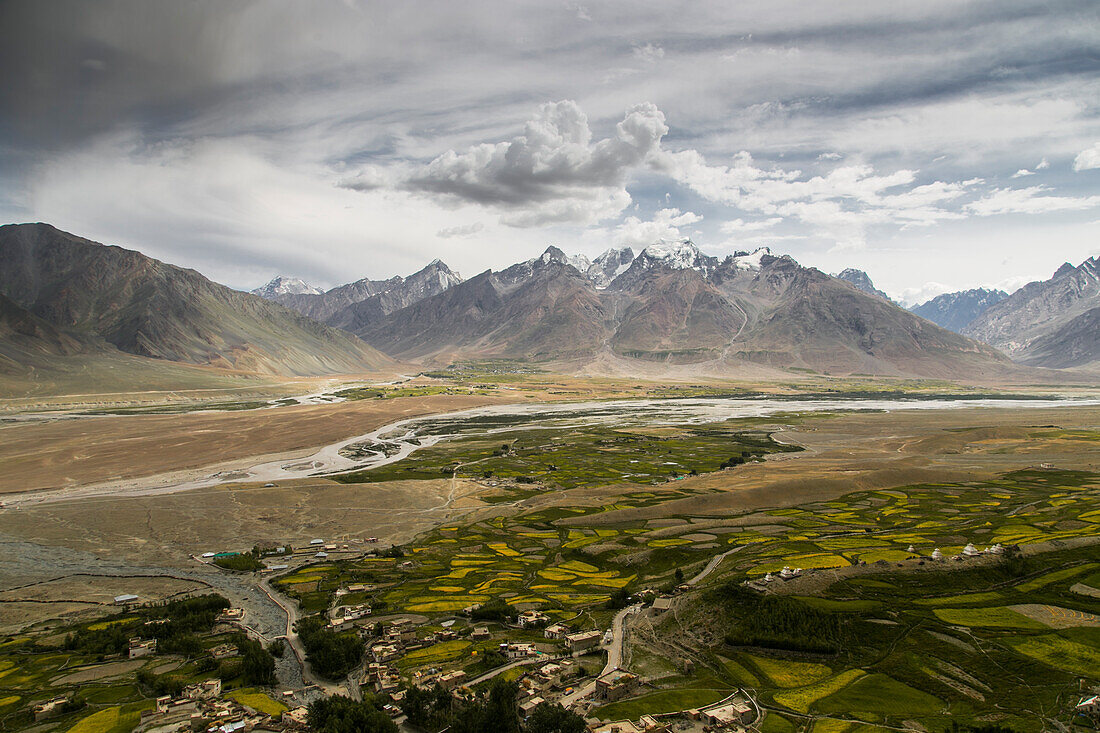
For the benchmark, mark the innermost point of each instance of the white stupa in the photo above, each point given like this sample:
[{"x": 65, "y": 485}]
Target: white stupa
[
  {"x": 996, "y": 549},
  {"x": 911, "y": 550},
  {"x": 936, "y": 554},
  {"x": 768, "y": 578},
  {"x": 970, "y": 550}
]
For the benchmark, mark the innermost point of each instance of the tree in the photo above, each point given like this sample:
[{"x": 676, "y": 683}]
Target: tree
[
  {"x": 339, "y": 714},
  {"x": 553, "y": 718},
  {"x": 245, "y": 563},
  {"x": 495, "y": 609},
  {"x": 619, "y": 599},
  {"x": 679, "y": 574},
  {"x": 428, "y": 709},
  {"x": 257, "y": 664},
  {"x": 496, "y": 712},
  {"x": 330, "y": 654}
]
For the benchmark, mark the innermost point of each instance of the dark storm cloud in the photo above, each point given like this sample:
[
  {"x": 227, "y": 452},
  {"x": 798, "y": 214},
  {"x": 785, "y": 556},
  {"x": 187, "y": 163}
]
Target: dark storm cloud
[
  {"x": 71, "y": 69},
  {"x": 376, "y": 132}
]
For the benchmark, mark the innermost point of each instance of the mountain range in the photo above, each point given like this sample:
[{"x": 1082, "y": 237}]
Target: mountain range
[
  {"x": 955, "y": 311},
  {"x": 668, "y": 307},
  {"x": 674, "y": 304},
  {"x": 1051, "y": 323},
  {"x": 356, "y": 305},
  {"x": 284, "y": 285},
  {"x": 62, "y": 292}
]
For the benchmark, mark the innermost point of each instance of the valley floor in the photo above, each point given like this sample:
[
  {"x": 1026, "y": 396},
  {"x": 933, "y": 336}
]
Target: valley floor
[{"x": 578, "y": 541}]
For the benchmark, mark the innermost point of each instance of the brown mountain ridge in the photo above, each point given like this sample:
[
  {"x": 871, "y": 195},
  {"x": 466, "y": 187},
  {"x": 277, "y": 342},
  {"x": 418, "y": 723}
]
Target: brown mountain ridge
[{"x": 107, "y": 296}]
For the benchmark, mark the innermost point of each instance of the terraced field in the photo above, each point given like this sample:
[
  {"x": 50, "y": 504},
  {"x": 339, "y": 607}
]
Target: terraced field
[
  {"x": 532, "y": 560},
  {"x": 915, "y": 639},
  {"x": 941, "y": 642}
]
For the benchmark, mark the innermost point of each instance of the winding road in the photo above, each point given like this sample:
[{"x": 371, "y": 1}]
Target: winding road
[
  {"x": 712, "y": 566},
  {"x": 614, "y": 654}
]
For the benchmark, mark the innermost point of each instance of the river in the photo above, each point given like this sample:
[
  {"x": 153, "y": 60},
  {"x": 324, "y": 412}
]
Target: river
[{"x": 395, "y": 441}]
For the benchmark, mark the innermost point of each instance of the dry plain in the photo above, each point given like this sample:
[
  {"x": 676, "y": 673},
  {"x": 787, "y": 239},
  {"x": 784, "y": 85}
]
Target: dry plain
[
  {"x": 844, "y": 453},
  {"x": 90, "y": 450}
]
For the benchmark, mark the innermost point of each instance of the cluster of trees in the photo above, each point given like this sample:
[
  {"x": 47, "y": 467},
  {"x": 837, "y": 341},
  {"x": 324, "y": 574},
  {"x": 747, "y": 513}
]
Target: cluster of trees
[
  {"x": 257, "y": 666},
  {"x": 494, "y": 610},
  {"x": 737, "y": 460},
  {"x": 331, "y": 655},
  {"x": 250, "y": 561},
  {"x": 245, "y": 562},
  {"x": 254, "y": 666},
  {"x": 493, "y": 711},
  {"x": 339, "y": 714},
  {"x": 157, "y": 685},
  {"x": 620, "y": 598},
  {"x": 780, "y": 622}
]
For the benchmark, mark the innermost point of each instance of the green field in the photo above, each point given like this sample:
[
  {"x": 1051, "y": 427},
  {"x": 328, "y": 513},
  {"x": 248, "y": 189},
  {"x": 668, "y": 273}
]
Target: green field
[
  {"x": 259, "y": 701},
  {"x": 934, "y": 642},
  {"x": 1060, "y": 653},
  {"x": 802, "y": 699},
  {"x": 878, "y": 694},
  {"x": 996, "y": 617},
  {"x": 665, "y": 701},
  {"x": 787, "y": 673},
  {"x": 568, "y": 458}
]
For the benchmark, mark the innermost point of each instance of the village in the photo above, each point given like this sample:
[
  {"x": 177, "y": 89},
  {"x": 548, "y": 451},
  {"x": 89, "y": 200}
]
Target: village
[
  {"x": 470, "y": 608},
  {"x": 549, "y": 661},
  {"x": 565, "y": 666}
]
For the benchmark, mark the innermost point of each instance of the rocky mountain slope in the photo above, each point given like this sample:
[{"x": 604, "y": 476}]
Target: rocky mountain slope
[
  {"x": 124, "y": 300},
  {"x": 675, "y": 304},
  {"x": 24, "y": 338},
  {"x": 1050, "y": 323},
  {"x": 955, "y": 311},
  {"x": 1075, "y": 343}
]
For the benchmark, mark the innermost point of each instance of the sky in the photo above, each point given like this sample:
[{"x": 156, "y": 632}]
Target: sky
[{"x": 936, "y": 145}]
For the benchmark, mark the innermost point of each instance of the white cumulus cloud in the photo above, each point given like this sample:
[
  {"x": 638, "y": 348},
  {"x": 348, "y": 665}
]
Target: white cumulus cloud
[
  {"x": 553, "y": 172},
  {"x": 1087, "y": 159},
  {"x": 665, "y": 224}
]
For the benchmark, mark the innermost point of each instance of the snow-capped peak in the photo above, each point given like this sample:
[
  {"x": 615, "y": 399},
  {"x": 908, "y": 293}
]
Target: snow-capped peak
[
  {"x": 677, "y": 255},
  {"x": 750, "y": 260},
  {"x": 284, "y": 285},
  {"x": 553, "y": 254},
  {"x": 610, "y": 265}
]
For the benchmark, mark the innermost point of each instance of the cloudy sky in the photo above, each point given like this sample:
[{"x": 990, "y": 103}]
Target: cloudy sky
[{"x": 936, "y": 145}]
